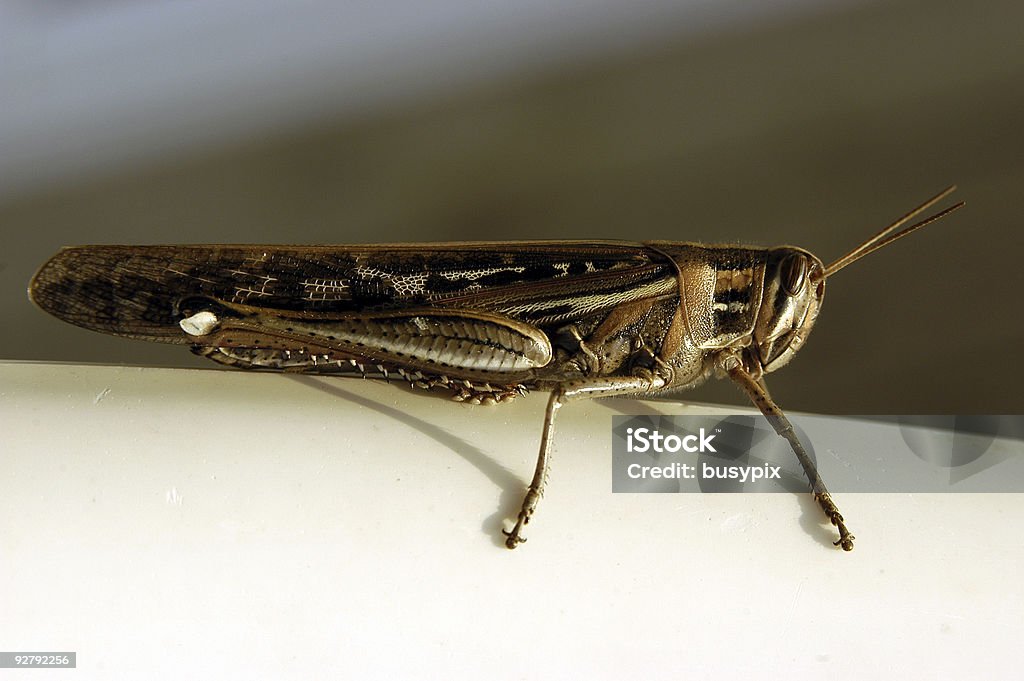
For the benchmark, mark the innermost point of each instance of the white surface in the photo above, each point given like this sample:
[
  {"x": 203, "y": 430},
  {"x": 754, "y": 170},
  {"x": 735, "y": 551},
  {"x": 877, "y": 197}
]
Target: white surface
[{"x": 175, "y": 523}]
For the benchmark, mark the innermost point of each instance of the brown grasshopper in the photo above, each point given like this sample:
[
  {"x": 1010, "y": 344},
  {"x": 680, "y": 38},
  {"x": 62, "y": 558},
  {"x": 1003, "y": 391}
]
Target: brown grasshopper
[{"x": 486, "y": 321}]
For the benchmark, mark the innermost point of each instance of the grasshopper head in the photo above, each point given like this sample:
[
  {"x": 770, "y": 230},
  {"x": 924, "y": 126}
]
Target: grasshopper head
[
  {"x": 795, "y": 286},
  {"x": 793, "y": 291}
]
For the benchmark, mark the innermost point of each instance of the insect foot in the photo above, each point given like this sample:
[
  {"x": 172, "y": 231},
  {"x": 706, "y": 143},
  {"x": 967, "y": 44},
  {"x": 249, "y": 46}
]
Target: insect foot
[
  {"x": 515, "y": 538},
  {"x": 828, "y": 506}
]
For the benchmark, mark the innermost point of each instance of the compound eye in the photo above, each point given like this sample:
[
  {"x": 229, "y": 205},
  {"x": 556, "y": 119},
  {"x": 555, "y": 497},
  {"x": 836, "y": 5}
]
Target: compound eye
[{"x": 793, "y": 273}]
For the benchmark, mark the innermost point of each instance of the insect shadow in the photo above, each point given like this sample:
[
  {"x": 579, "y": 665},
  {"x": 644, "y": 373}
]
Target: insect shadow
[{"x": 509, "y": 483}]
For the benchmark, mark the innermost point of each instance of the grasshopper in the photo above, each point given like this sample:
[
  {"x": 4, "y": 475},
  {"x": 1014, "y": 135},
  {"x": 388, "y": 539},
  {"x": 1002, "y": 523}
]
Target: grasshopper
[{"x": 485, "y": 321}]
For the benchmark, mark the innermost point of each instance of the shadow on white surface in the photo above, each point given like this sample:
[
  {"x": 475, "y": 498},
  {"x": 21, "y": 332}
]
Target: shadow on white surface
[
  {"x": 511, "y": 485},
  {"x": 154, "y": 521}
]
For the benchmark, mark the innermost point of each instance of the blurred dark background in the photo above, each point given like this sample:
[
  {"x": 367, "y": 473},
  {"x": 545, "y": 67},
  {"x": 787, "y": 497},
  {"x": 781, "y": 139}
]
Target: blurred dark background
[{"x": 805, "y": 123}]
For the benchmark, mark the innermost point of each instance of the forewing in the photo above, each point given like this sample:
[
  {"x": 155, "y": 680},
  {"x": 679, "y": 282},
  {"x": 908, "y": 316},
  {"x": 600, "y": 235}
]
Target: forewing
[{"x": 145, "y": 291}]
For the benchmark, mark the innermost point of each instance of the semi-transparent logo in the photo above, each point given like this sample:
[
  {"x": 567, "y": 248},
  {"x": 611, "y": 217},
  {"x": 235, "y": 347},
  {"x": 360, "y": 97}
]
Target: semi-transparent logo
[{"x": 853, "y": 454}]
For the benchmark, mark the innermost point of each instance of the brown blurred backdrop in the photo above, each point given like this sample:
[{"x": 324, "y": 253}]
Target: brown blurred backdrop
[{"x": 814, "y": 129}]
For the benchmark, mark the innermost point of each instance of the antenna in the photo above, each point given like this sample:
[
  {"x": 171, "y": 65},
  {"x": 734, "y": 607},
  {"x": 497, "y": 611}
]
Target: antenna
[{"x": 886, "y": 236}]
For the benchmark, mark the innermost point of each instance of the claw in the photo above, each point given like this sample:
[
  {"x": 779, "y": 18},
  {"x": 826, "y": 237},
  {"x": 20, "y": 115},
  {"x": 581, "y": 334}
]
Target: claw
[
  {"x": 514, "y": 539},
  {"x": 845, "y": 538},
  {"x": 845, "y": 542}
]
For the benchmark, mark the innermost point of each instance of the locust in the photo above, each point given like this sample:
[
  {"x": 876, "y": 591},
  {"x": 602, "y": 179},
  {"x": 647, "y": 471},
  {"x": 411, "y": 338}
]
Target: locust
[{"x": 484, "y": 321}]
